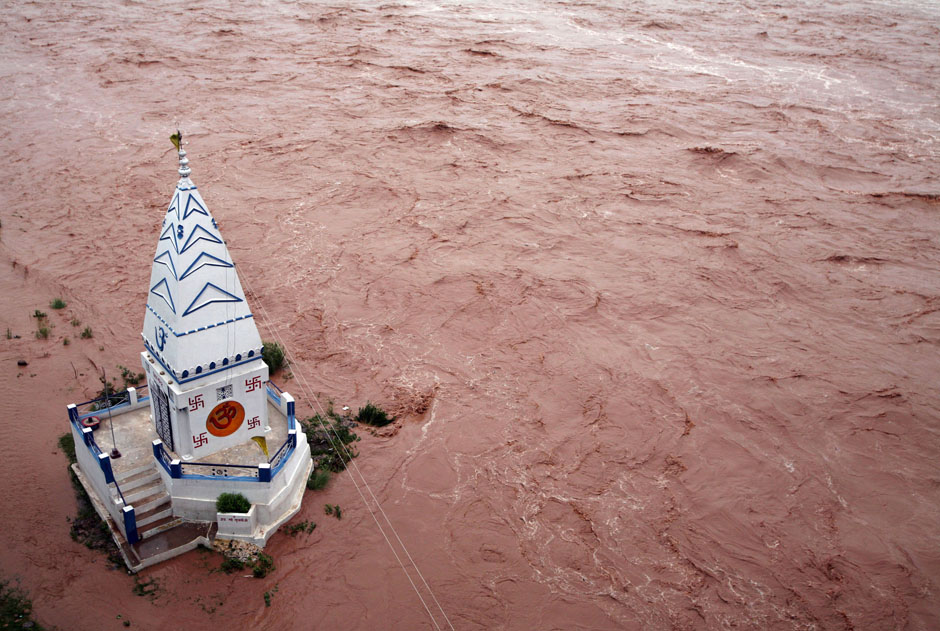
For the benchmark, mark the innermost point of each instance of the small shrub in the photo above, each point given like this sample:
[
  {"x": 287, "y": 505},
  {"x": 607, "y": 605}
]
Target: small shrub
[
  {"x": 87, "y": 334},
  {"x": 335, "y": 511},
  {"x": 318, "y": 479},
  {"x": 263, "y": 566},
  {"x": 130, "y": 377},
  {"x": 231, "y": 565},
  {"x": 273, "y": 355},
  {"x": 9, "y": 334},
  {"x": 232, "y": 503},
  {"x": 39, "y": 315},
  {"x": 329, "y": 439},
  {"x": 373, "y": 415},
  {"x": 304, "y": 526},
  {"x": 76, "y": 322},
  {"x": 16, "y": 609},
  {"x": 65, "y": 341},
  {"x": 42, "y": 333},
  {"x": 57, "y": 303},
  {"x": 267, "y": 599}
]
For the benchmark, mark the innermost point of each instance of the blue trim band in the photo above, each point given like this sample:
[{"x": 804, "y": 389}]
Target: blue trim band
[
  {"x": 156, "y": 356},
  {"x": 202, "y": 328}
]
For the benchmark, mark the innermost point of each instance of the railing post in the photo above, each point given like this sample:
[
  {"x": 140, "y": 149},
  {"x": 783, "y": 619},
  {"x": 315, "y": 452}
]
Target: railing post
[
  {"x": 157, "y": 446},
  {"x": 176, "y": 468},
  {"x": 104, "y": 461},
  {"x": 73, "y": 413},
  {"x": 288, "y": 401},
  {"x": 291, "y": 438},
  {"x": 132, "y": 396},
  {"x": 87, "y": 436},
  {"x": 130, "y": 525},
  {"x": 264, "y": 472}
]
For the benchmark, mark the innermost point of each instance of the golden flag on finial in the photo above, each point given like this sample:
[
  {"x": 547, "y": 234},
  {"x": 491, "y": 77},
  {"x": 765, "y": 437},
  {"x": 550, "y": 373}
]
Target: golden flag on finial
[
  {"x": 177, "y": 139},
  {"x": 263, "y": 443}
]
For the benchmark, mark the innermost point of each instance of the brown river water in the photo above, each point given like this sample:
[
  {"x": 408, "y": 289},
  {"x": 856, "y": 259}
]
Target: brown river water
[{"x": 654, "y": 288}]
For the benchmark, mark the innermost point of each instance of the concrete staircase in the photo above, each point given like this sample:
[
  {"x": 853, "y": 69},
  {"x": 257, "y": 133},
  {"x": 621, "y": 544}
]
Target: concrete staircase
[{"x": 143, "y": 489}]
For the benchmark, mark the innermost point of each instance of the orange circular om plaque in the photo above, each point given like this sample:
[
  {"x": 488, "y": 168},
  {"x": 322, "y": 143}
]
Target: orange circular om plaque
[{"x": 225, "y": 418}]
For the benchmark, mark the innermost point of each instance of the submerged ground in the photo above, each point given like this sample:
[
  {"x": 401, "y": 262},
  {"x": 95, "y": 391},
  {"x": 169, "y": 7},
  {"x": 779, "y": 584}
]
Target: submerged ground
[{"x": 654, "y": 289}]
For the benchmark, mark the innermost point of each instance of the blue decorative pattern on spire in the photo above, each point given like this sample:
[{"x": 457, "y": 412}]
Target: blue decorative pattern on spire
[
  {"x": 174, "y": 204},
  {"x": 204, "y": 260},
  {"x": 207, "y": 295},
  {"x": 202, "y": 234},
  {"x": 162, "y": 289},
  {"x": 164, "y": 258},
  {"x": 193, "y": 206}
]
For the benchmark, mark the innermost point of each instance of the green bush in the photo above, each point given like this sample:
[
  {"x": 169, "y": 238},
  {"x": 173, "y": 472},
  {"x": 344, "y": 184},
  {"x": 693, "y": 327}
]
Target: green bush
[
  {"x": 329, "y": 439},
  {"x": 318, "y": 479},
  {"x": 231, "y": 565},
  {"x": 86, "y": 334},
  {"x": 58, "y": 303},
  {"x": 39, "y": 315},
  {"x": 232, "y": 503},
  {"x": 373, "y": 415},
  {"x": 42, "y": 333},
  {"x": 273, "y": 355},
  {"x": 16, "y": 609},
  {"x": 263, "y": 565}
]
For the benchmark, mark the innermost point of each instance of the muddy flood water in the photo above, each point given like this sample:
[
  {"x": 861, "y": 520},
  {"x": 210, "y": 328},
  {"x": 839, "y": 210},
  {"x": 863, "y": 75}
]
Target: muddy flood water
[{"x": 653, "y": 288}]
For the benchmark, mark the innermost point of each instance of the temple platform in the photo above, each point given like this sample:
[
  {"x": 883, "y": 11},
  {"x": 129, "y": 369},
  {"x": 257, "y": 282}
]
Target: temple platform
[{"x": 134, "y": 434}]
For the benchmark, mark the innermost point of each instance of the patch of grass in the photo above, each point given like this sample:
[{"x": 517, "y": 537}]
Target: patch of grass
[
  {"x": 57, "y": 303},
  {"x": 39, "y": 315},
  {"x": 335, "y": 511},
  {"x": 87, "y": 334},
  {"x": 372, "y": 414},
  {"x": 318, "y": 479},
  {"x": 65, "y": 341},
  {"x": 67, "y": 445},
  {"x": 273, "y": 355},
  {"x": 9, "y": 334},
  {"x": 43, "y": 332},
  {"x": 262, "y": 566},
  {"x": 230, "y": 565},
  {"x": 304, "y": 526},
  {"x": 16, "y": 609},
  {"x": 130, "y": 377},
  {"x": 330, "y": 440},
  {"x": 268, "y": 595},
  {"x": 76, "y": 322},
  {"x": 232, "y": 503}
]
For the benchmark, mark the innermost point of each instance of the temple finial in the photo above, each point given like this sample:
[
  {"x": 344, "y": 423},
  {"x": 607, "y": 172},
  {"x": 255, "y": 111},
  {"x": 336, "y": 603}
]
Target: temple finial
[{"x": 184, "y": 170}]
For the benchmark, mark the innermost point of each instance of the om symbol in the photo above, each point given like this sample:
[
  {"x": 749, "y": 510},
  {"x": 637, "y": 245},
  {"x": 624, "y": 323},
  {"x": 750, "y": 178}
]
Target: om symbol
[
  {"x": 161, "y": 337},
  {"x": 225, "y": 418}
]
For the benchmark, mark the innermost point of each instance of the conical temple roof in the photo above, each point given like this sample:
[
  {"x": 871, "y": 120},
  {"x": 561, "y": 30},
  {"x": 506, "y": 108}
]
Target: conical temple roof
[{"x": 197, "y": 320}]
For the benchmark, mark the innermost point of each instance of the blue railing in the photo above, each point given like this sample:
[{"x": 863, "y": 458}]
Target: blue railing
[
  {"x": 116, "y": 401},
  {"x": 231, "y": 472},
  {"x": 88, "y": 438}
]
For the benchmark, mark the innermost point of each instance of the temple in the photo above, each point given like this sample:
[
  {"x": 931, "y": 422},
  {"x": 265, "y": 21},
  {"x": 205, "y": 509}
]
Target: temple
[{"x": 155, "y": 459}]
